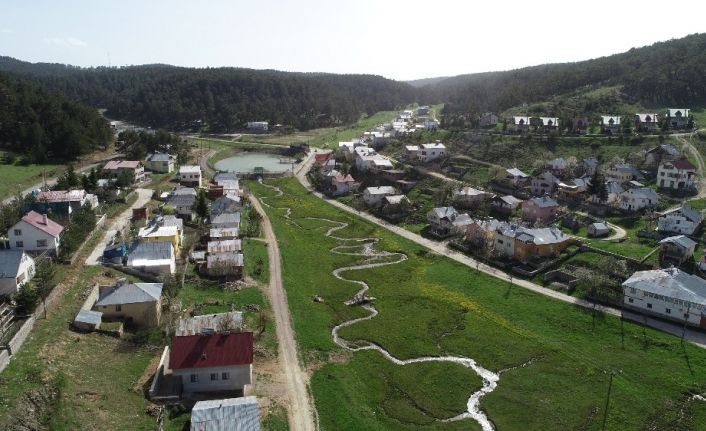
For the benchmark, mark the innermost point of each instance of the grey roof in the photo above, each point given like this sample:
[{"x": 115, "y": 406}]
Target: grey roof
[
  {"x": 544, "y": 202},
  {"x": 131, "y": 293},
  {"x": 670, "y": 282},
  {"x": 395, "y": 199},
  {"x": 600, "y": 227},
  {"x": 590, "y": 163},
  {"x": 10, "y": 263},
  {"x": 181, "y": 200},
  {"x": 152, "y": 250},
  {"x": 547, "y": 235},
  {"x": 184, "y": 191},
  {"x": 549, "y": 177},
  {"x": 645, "y": 192},
  {"x": 158, "y": 157},
  {"x": 463, "y": 220},
  {"x": 516, "y": 173},
  {"x": 89, "y": 316},
  {"x": 510, "y": 200},
  {"x": 445, "y": 212},
  {"x": 232, "y": 414},
  {"x": 208, "y": 323},
  {"x": 171, "y": 220},
  {"x": 688, "y": 212},
  {"x": 225, "y": 203},
  {"x": 222, "y": 232},
  {"x": 614, "y": 187},
  {"x": 221, "y": 176},
  {"x": 681, "y": 240},
  {"x": 228, "y": 257},
  {"x": 382, "y": 190},
  {"x": 226, "y": 219}
]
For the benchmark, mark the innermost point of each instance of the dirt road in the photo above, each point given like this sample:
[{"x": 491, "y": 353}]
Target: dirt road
[
  {"x": 700, "y": 165},
  {"x": 440, "y": 248},
  {"x": 300, "y": 411},
  {"x": 143, "y": 196}
]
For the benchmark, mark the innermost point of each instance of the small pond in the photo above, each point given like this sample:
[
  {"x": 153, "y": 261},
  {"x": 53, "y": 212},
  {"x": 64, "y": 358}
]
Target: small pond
[{"x": 247, "y": 162}]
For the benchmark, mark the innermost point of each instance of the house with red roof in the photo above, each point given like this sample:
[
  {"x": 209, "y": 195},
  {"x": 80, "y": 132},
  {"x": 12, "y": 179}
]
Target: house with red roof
[
  {"x": 36, "y": 233},
  {"x": 343, "y": 184},
  {"x": 676, "y": 175},
  {"x": 134, "y": 168},
  {"x": 212, "y": 362}
]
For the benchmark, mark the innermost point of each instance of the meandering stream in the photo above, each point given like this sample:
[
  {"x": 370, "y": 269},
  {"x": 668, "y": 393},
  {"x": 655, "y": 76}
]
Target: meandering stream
[{"x": 365, "y": 248}]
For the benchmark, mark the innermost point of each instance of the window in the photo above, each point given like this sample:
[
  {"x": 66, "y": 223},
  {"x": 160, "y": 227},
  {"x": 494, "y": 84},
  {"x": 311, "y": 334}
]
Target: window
[
  {"x": 118, "y": 307},
  {"x": 225, "y": 376},
  {"x": 629, "y": 299},
  {"x": 19, "y": 244},
  {"x": 214, "y": 376},
  {"x": 649, "y": 305},
  {"x": 18, "y": 232},
  {"x": 194, "y": 378},
  {"x": 41, "y": 243},
  {"x": 668, "y": 310}
]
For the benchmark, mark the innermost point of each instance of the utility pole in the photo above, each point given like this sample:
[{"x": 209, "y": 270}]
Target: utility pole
[{"x": 607, "y": 400}]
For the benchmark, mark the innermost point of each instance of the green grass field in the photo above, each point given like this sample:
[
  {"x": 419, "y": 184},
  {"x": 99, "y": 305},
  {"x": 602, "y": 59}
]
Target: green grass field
[
  {"x": 430, "y": 305},
  {"x": 15, "y": 178}
]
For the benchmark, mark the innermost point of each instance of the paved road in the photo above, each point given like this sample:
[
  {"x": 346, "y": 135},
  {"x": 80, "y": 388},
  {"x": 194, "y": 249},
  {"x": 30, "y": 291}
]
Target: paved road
[
  {"x": 300, "y": 412},
  {"x": 143, "y": 196},
  {"x": 693, "y": 336}
]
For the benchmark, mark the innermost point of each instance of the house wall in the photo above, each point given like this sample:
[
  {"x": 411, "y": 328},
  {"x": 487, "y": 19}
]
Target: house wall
[
  {"x": 531, "y": 212},
  {"x": 156, "y": 269},
  {"x": 662, "y": 306},
  {"x": 163, "y": 167},
  {"x": 524, "y": 251},
  {"x": 190, "y": 179},
  {"x": 504, "y": 245},
  {"x": 146, "y": 314},
  {"x": 674, "y": 178},
  {"x": 29, "y": 235},
  {"x": 240, "y": 375},
  {"x": 676, "y": 223},
  {"x": 173, "y": 238}
]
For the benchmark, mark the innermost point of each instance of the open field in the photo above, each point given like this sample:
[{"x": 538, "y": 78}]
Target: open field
[
  {"x": 15, "y": 178},
  {"x": 430, "y": 305}
]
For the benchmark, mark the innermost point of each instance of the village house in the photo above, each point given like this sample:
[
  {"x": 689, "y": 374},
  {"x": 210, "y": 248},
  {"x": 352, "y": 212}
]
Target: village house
[
  {"x": 132, "y": 168},
  {"x": 675, "y": 250},
  {"x": 372, "y": 196},
  {"x": 343, "y": 185},
  {"x": 523, "y": 244},
  {"x": 155, "y": 233},
  {"x": 223, "y": 233},
  {"x": 661, "y": 153},
  {"x": 598, "y": 230},
  {"x": 16, "y": 269},
  {"x": 610, "y": 124},
  {"x": 636, "y": 199},
  {"x": 542, "y": 209},
  {"x": 183, "y": 204},
  {"x": 682, "y": 219},
  {"x": 226, "y": 220},
  {"x": 573, "y": 190},
  {"x": 548, "y": 124},
  {"x": 580, "y": 125},
  {"x": 516, "y": 177},
  {"x": 469, "y": 197},
  {"x": 160, "y": 162},
  {"x": 237, "y": 414},
  {"x": 558, "y": 167},
  {"x": 208, "y": 363},
  {"x": 647, "y": 122},
  {"x": 588, "y": 167},
  {"x": 678, "y": 118},
  {"x": 137, "y": 303},
  {"x": 614, "y": 190},
  {"x": 544, "y": 184},
  {"x": 677, "y": 175},
  {"x": 228, "y": 203},
  {"x": 488, "y": 120},
  {"x": 520, "y": 124},
  {"x": 223, "y": 264},
  {"x": 61, "y": 202},
  {"x": 36, "y": 233},
  {"x": 667, "y": 293},
  {"x": 423, "y": 110},
  {"x": 224, "y": 246},
  {"x": 156, "y": 258},
  {"x": 190, "y": 175},
  {"x": 481, "y": 232},
  {"x": 505, "y": 204},
  {"x": 223, "y": 187},
  {"x": 623, "y": 172},
  {"x": 372, "y": 162},
  {"x": 171, "y": 220},
  {"x": 445, "y": 221},
  {"x": 411, "y": 152},
  {"x": 257, "y": 126},
  {"x": 430, "y": 152}
]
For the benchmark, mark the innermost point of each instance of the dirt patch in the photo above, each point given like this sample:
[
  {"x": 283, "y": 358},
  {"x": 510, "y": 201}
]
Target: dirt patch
[
  {"x": 146, "y": 377},
  {"x": 33, "y": 410}
]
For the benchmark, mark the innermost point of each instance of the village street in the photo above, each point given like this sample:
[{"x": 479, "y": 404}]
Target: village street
[{"x": 691, "y": 335}]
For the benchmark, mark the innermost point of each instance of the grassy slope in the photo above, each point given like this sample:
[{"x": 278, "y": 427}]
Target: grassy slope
[
  {"x": 427, "y": 297},
  {"x": 15, "y": 178}
]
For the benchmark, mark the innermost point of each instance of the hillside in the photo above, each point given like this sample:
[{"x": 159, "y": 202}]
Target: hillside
[
  {"x": 43, "y": 126},
  {"x": 219, "y": 99},
  {"x": 662, "y": 74}
]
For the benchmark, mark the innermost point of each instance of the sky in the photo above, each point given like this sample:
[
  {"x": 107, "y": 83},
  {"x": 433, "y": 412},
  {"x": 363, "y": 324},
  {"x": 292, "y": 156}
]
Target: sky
[{"x": 397, "y": 39}]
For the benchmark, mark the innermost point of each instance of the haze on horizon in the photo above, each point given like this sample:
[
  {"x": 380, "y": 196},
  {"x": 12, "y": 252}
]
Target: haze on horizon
[{"x": 399, "y": 40}]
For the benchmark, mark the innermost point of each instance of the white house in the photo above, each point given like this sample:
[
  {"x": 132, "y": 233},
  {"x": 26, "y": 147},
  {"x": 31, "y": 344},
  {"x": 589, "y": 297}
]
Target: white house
[
  {"x": 343, "y": 184},
  {"x": 610, "y": 123},
  {"x": 548, "y": 123},
  {"x": 516, "y": 176},
  {"x": 373, "y": 196},
  {"x": 430, "y": 152},
  {"x": 468, "y": 196},
  {"x": 676, "y": 175},
  {"x": 648, "y": 122},
  {"x": 683, "y": 219},
  {"x": 521, "y": 124},
  {"x": 445, "y": 221},
  {"x": 153, "y": 257},
  {"x": 623, "y": 172},
  {"x": 667, "y": 293},
  {"x": 212, "y": 362},
  {"x": 37, "y": 233},
  {"x": 411, "y": 152},
  {"x": 160, "y": 162},
  {"x": 16, "y": 268},
  {"x": 134, "y": 168},
  {"x": 678, "y": 117},
  {"x": 638, "y": 198},
  {"x": 544, "y": 184},
  {"x": 190, "y": 175}
]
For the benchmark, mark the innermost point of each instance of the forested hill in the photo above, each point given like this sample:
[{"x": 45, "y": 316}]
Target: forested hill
[
  {"x": 219, "y": 99},
  {"x": 43, "y": 126},
  {"x": 666, "y": 73}
]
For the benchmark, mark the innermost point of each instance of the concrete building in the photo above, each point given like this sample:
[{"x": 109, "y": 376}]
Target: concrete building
[
  {"x": 138, "y": 303},
  {"x": 132, "y": 168},
  {"x": 160, "y": 162},
  {"x": 190, "y": 175},
  {"x": 36, "y": 233},
  {"x": 677, "y": 175},
  {"x": 156, "y": 258},
  {"x": 682, "y": 219},
  {"x": 373, "y": 196},
  {"x": 543, "y": 209}
]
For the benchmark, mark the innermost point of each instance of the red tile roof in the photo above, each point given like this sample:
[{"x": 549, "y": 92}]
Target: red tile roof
[
  {"x": 122, "y": 164},
  {"x": 322, "y": 157},
  {"x": 212, "y": 350},
  {"x": 37, "y": 220},
  {"x": 683, "y": 164},
  {"x": 61, "y": 195}
]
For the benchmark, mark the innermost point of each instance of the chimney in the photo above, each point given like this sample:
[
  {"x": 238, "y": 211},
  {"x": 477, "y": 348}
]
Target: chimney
[{"x": 44, "y": 218}]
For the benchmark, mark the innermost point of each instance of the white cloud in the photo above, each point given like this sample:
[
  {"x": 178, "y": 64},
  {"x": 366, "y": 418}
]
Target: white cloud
[
  {"x": 64, "y": 41},
  {"x": 6, "y": 30}
]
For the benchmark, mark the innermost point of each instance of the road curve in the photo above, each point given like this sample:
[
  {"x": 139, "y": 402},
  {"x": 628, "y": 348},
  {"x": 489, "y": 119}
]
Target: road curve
[
  {"x": 300, "y": 412},
  {"x": 696, "y": 337}
]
